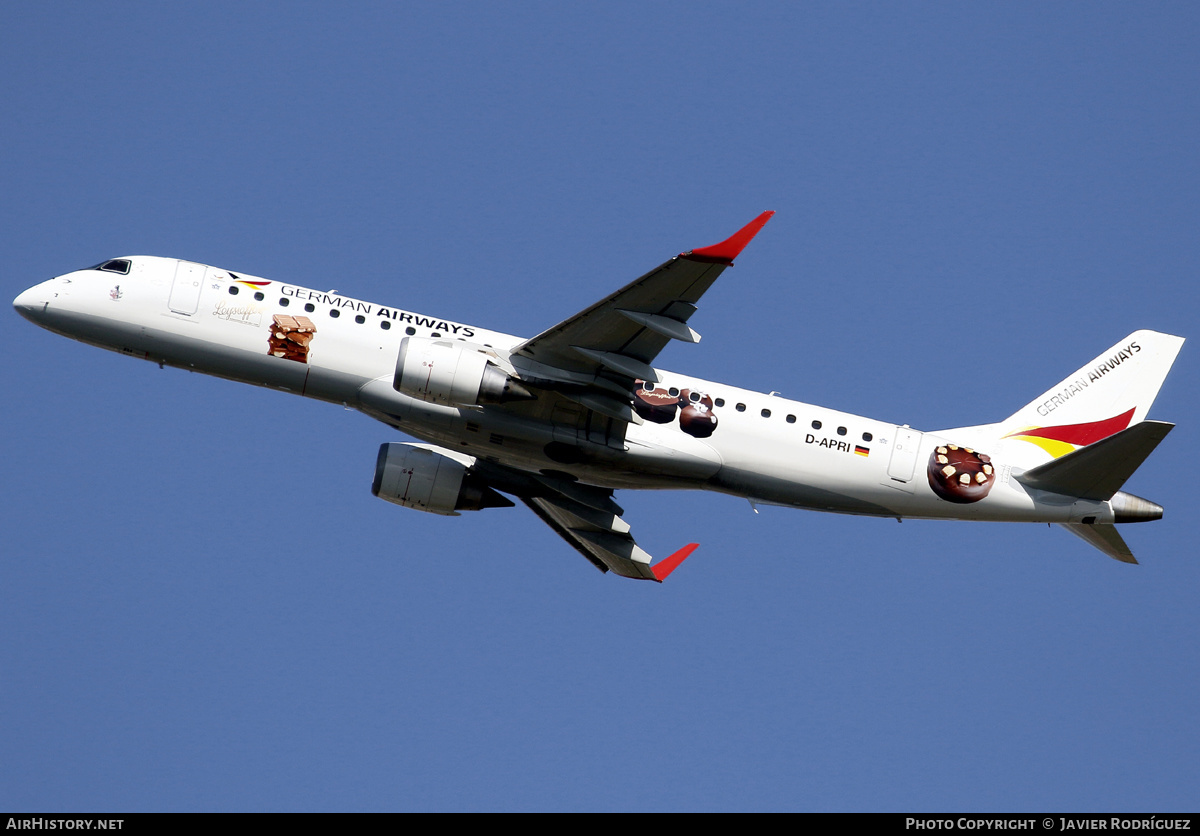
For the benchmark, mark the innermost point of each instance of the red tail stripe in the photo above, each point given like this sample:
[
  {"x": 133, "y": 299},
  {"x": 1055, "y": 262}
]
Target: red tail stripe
[{"x": 1081, "y": 434}]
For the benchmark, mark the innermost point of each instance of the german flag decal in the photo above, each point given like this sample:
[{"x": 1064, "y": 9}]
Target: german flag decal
[{"x": 859, "y": 450}]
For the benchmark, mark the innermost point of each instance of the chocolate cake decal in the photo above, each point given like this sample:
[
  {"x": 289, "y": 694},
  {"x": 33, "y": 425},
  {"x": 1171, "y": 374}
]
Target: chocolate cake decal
[
  {"x": 654, "y": 404},
  {"x": 290, "y": 337},
  {"x": 657, "y": 404},
  {"x": 696, "y": 418},
  {"x": 959, "y": 474}
]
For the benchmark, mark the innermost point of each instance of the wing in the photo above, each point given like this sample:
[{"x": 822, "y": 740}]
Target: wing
[
  {"x": 605, "y": 348},
  {"x": 586, "y": 517},
  {"x": 592, "y": 360},
  {"x": 603, "y": 538}
]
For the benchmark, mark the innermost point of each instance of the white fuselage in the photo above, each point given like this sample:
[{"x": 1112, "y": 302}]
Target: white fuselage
[{"x": 766, "y": 448}]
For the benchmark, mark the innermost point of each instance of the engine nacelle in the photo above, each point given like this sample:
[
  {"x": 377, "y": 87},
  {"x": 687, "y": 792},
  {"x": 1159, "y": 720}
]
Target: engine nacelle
[
  {"x": 417, "y": 477},
  {"x": 452, "y": 373}
]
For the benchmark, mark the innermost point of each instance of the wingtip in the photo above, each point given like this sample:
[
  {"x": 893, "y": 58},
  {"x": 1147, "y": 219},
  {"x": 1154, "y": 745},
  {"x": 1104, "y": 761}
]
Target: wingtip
[
  {"x": 668, "y": 565},
  {"x": 731, "y": 247}
]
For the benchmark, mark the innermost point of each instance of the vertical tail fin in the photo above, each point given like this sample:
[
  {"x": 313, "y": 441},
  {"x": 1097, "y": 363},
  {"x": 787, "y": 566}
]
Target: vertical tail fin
[
  {"x": 1109, "y": 394},
  {"x": 1108, "y": 398}
]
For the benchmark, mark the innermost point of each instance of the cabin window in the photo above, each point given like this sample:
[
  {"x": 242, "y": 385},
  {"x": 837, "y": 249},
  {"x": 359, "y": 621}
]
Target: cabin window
[
  {"x": 258, "y": 297},
  {"x": 435, "y": 335},
  {"x": 410, "y": 330},
  {"x": 816, "y": 425},
  {"x": 360, "y": 319},
  {"x": 385, "y": 324},
  {"x": 719, "y": 401},
  {"x": 284, "y": 301},
  {"x": 115, "y": 265},
  {"x": 233, "y": 290},
  {"x": 867, "y": 436},
  {"x": 673, "y": 392},
  {"x": 309, "y": 307},
  {"x": 791, "y": 419},
  {"x": 841, "y": 430},
  {"x": 740, "y": 407},
  {"x": 335, "y": 313},
  {"x": 766, "y": 413}
]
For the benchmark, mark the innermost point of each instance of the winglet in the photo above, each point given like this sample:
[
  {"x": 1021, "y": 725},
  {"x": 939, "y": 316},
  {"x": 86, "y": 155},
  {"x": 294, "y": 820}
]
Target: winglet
[
  {"x": 668, "y": 565},
  {"x": 728, "y": 250}
]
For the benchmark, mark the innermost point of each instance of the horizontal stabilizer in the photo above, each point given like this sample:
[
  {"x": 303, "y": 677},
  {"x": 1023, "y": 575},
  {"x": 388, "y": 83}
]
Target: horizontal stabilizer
[
  {"x": 1103, "y": 537},
  {"x": 1099, "y": 470}
]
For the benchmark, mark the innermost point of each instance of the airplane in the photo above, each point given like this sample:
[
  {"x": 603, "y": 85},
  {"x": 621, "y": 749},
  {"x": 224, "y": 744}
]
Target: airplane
[{"x": 563, "y": 419}]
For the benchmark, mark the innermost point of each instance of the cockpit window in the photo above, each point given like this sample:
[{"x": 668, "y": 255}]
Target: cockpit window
[{"x": 114, "y": 265}]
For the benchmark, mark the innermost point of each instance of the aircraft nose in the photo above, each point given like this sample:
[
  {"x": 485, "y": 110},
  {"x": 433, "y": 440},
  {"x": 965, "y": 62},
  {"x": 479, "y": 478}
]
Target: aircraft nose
[
  {"x": 33, "y": 302},
  {"x": 29, "y": 301}
]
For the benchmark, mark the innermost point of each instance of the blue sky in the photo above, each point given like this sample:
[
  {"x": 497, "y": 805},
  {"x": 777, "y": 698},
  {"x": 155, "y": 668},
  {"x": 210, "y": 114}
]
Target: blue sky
[{"x": 204, "y": 607}]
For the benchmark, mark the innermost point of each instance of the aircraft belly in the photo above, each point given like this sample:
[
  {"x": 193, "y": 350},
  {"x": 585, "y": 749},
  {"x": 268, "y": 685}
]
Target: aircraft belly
[
  {"x": 786, "y": 469},
  {"x": 496, "y": 435},
  {"x": 776, "y": 490},
  {"x": 657, "y": 450},
  {"x": 226, "y": 361},
  {"x": 332, "y": 385},
  {"x": 114, "y": 335}
]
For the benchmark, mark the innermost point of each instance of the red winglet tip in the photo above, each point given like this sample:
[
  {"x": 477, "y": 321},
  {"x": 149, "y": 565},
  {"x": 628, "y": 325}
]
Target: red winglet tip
[
  {"x": 668, "y": 565},
  {"x": 728, "y": 250}
]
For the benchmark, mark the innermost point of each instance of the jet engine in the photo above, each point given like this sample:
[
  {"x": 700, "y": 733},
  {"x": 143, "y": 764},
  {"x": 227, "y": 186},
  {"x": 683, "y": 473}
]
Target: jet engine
[
  {"x": 452, "y": 373},
  {"x": 417, "y": 477}
]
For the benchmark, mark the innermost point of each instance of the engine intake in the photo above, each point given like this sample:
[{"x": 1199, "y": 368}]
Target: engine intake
[
  {"x": 419, "y": 478},
  {"x": 452, "y": 373}
]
